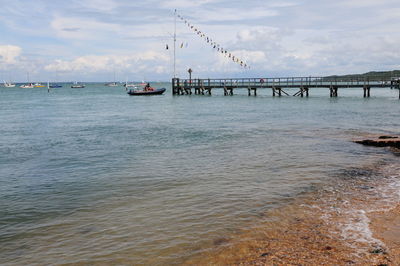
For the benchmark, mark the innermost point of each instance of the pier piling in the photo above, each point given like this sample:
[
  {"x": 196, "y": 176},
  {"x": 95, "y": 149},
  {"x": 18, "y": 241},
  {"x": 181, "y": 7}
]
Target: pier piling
[
  {"x": 333, "y": 91},
  {"x": 366, "y": 91}
]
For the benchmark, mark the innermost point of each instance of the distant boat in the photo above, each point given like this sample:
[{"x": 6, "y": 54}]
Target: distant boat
[
  {"x": 126, "y": 85},
  {"x": 112, "y": 84},
  {"x": 38, "y": 85},
  {"x": 8, "y": 84},
  {"x": 52, "y": 86},
  {"x": 77, "y": 86},
  {"x": 135, "y": 85},
  {"x": 55, "y": 86},
  {"x": 27, "y": 86}
]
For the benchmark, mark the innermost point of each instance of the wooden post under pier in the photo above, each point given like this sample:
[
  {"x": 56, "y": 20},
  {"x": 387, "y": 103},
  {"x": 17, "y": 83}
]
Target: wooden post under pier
[
  {"x": 305, "y": 89},
  {"x": 302, "y": 91},
  {"x": 276, "y": 90},
  {"x": 333, "y": 91},
  {"x": 188, "y": 91},
  {"x": 228, "y": 90},
  {"x": 366, "y": 91}
]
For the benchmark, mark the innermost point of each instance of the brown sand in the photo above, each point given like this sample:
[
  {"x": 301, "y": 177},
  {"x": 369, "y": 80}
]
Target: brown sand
[
  {"x": 334, "y": 227},
  {"x": 303, "y": 239},
  {"x": 386, "y": 227}
]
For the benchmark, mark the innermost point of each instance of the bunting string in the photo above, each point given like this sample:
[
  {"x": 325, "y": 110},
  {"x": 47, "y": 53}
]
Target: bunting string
[{"x": 210, "y": 41}]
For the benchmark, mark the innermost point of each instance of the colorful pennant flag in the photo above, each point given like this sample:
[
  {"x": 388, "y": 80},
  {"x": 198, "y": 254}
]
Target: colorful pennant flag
[{"x": 213, "y": 44}]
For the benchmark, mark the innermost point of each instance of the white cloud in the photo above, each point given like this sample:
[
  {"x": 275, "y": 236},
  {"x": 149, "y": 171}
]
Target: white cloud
[
  {"x": 185, "y": 3},
  {"x": 97, "y": 63},
  {"x": 9, "y": 54},
  {"x": 82, "y": 28},
  {"x": 105, "y": 6},
  {"x": 368, "y": 3},
  {"x": 284, "y": 37},
  {"x": 261, "y": 34},
  {"x": 231, "y": 14}
]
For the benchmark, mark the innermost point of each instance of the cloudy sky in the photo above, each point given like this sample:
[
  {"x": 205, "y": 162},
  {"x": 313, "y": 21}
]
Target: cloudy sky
[{"x": 90, "y": 40}]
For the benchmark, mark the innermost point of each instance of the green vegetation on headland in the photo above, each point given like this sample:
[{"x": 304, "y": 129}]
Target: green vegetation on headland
[{"x": 372, "y": 75}]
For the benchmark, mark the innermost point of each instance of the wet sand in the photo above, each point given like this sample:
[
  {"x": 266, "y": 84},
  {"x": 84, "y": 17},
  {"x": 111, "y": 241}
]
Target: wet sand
[
  {"x": 305, "y": 239},
  {"x": 386, "y": 227},
  {"x": 351, "y": 223}
]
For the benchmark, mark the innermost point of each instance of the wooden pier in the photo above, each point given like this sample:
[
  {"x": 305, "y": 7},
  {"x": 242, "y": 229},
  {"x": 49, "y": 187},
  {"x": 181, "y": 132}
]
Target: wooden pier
[{"x": 278, "y": 85}]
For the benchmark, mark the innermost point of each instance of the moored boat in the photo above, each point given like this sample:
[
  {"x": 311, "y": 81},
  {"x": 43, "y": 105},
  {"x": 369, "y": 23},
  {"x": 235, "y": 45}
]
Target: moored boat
[
  {"x": 27, "y": 86},
  {"x": 127, "y": 85},
  {"x": 147, "y": 90},
  {"x": 112, "y": 84},
  {"x": 55, "y": 86},
  {"x": 76, "y": 85},
  {"x": 9, "y": 84},
  {"x": 38, "y": 85}
]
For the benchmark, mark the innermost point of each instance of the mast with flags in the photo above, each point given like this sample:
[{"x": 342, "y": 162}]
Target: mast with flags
[{"x": 175, "y": 44}]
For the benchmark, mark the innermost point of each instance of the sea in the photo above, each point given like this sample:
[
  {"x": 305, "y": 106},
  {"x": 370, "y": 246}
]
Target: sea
[{"x": 95, "y": 176}]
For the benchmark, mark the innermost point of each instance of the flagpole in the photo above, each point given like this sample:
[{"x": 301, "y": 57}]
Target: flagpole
[{"x": 175, "y": 44}]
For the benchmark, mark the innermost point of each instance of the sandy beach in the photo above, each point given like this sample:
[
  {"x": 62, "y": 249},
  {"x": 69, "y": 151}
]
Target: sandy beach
[
  {"x": 385, "y": 226},
  {"x": 355, "y": 224}
]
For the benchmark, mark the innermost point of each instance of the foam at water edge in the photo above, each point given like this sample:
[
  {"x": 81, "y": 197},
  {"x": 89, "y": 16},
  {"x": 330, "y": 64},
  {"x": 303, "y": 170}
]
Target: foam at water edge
[
  {"x": 357, "y": 229},
  {"x": 388, "y": 194}
]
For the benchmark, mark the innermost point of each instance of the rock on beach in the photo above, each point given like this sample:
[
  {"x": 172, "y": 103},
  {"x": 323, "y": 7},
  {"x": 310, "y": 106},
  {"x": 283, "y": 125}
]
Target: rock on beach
[{"x": 381, "y": 141}]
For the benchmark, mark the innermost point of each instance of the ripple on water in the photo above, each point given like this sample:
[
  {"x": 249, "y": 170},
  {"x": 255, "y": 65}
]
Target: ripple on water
[{"x": 93, "y": 176}]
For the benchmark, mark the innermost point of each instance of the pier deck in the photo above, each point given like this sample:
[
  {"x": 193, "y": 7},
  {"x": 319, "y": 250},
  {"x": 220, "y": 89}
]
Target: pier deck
[{"x": 277, "y": 85}]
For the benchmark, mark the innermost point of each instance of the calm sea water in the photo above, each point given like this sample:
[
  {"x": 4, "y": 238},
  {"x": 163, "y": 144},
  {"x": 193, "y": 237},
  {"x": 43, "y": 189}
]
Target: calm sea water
[{"x": 96, "y": 176}]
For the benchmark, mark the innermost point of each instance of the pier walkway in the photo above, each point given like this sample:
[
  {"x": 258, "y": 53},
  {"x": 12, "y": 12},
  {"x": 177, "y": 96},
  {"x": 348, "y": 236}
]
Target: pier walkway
[{"x": 278, "y": 85}]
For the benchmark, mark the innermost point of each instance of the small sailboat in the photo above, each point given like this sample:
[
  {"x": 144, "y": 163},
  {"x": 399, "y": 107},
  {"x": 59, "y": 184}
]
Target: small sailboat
[
  {"x": 27, "y": 86},
  {"x": 76, "y": 85},
  {"x": 112, "y": 84},
  {"x": 8, "y": 84}
]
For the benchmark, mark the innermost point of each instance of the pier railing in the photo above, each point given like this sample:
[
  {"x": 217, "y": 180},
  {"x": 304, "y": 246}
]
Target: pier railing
[
  {"x": 288, "y": 82},
  {"x": 185, "y": 86}
]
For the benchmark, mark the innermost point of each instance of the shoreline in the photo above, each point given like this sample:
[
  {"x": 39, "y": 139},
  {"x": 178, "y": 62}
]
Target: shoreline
[
  {"x": 353, "y": 222},
  {"x": 385, "y": 226}
]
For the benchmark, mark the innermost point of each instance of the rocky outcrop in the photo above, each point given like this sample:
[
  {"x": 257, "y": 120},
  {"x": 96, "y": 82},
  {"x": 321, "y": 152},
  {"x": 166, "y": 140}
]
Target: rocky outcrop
[{"x": 381, "y": 141}]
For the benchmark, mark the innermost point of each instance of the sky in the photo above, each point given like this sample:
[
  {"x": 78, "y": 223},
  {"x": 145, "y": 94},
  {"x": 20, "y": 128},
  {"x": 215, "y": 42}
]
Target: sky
[{"x": 95, "y": 40}]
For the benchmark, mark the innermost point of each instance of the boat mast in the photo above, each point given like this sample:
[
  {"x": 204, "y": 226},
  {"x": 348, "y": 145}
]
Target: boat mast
[{"x": 175, "y": 44}]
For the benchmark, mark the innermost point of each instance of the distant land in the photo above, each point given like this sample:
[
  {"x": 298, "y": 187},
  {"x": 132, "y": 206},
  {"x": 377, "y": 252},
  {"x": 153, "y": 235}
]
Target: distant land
[{"x": 371, "y": 75}]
